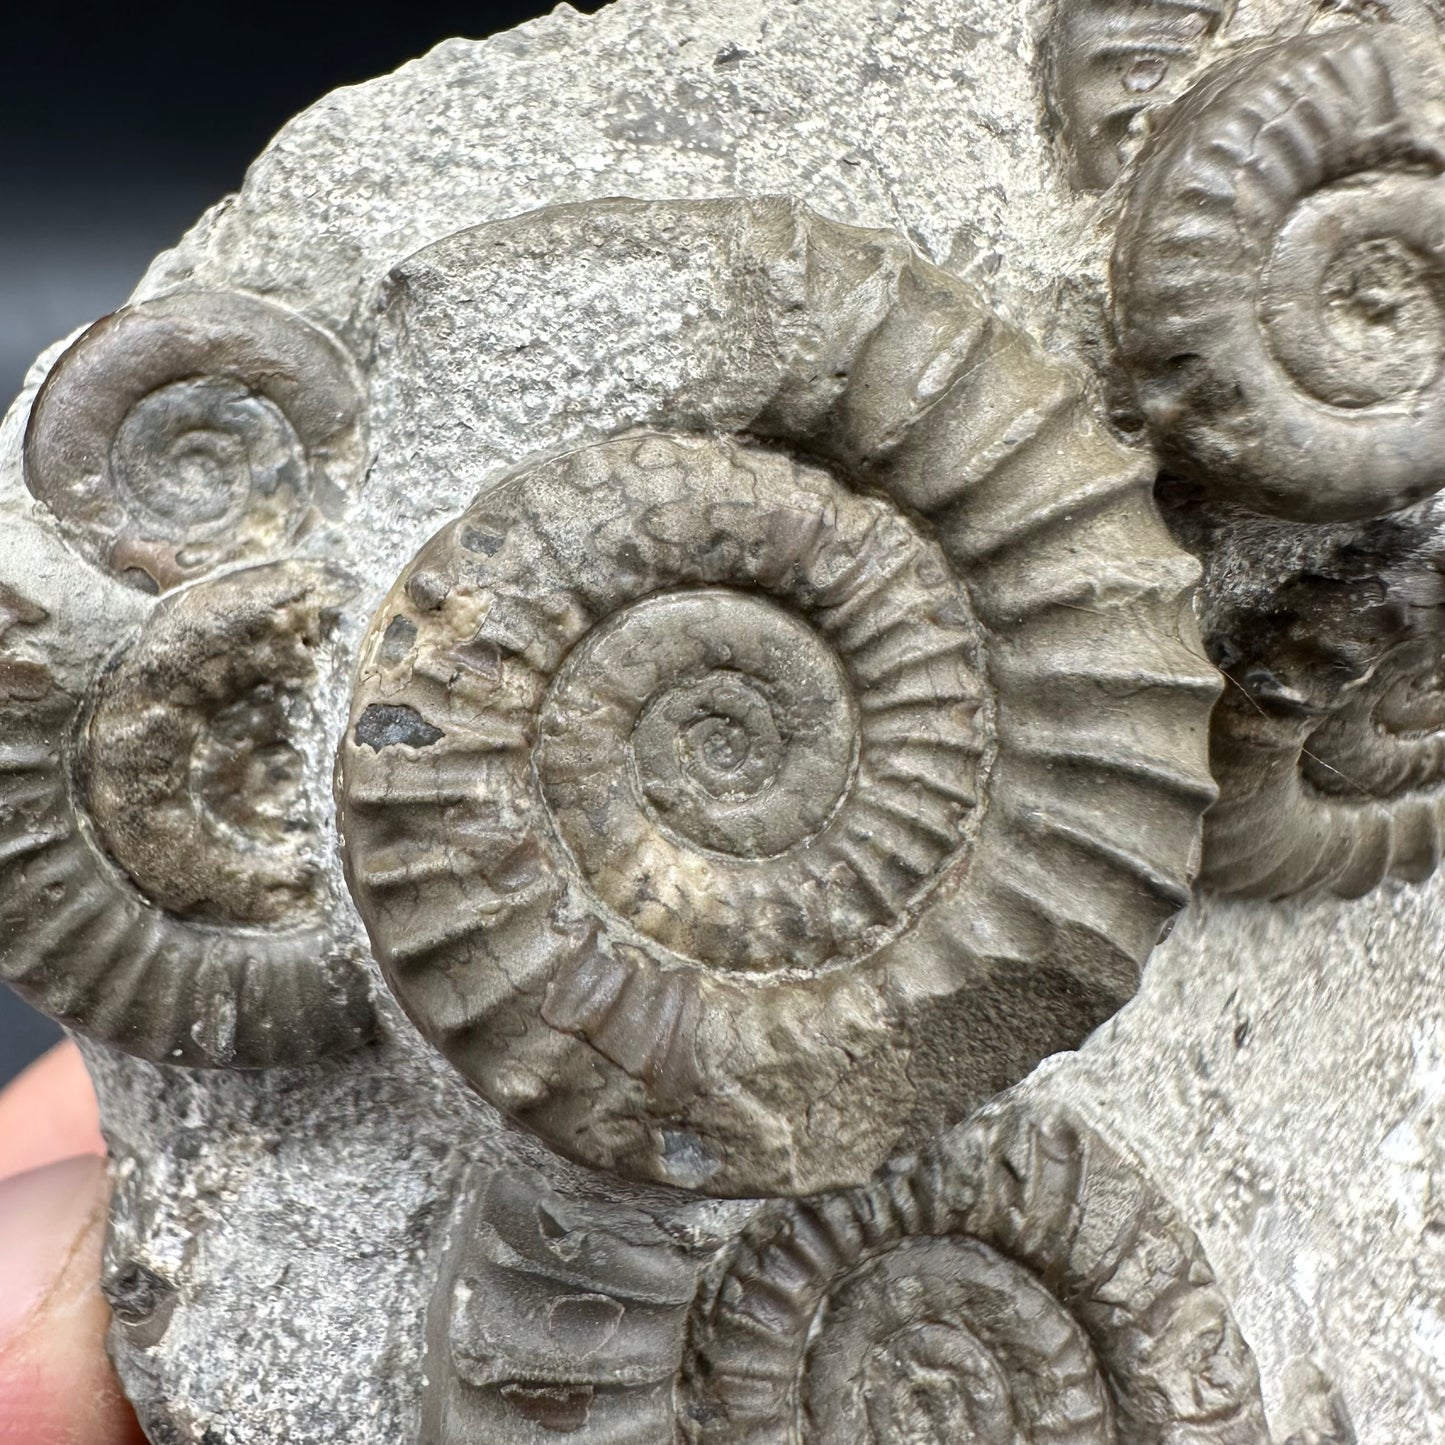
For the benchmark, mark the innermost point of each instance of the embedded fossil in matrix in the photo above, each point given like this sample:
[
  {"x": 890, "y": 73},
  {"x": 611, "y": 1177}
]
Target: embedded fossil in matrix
[
  {"x": 687, "y": 786},
  {"x": 727, "y": 724},
  {"x": 171, "y": 907}
]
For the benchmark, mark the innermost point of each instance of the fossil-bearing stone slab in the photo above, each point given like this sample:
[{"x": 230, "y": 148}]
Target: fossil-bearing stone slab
[
  {"x": 612, "y": 680},
  {"x": 725, "y": 826}
]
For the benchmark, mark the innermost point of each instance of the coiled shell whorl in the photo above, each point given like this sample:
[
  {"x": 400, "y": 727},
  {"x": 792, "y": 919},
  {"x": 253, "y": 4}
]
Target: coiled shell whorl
[
  {"x": 1021, "y": 1281},
  {"x": 160, "y": 882},
  {"x": 557, "y": 1317},
  {"x": 194, "y": 430},
  {"x": 734, "y": 814},
  {"x": 1106, "y": 62},
  {"x": 1278, "y": 280},
  {"x": 1330, "y": 749}
]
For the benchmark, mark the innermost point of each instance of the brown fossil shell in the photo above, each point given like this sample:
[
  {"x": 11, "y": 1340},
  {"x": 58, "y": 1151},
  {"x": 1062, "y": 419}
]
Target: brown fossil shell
[
  {"x": 159, "y": 882},
  {"x": 1106, "y": 62},
  {"x": 194, "y": 430},
  {"x": 735, "y": 820},
  {"x": 1021, "y": 1281},
  {"x": 1330, "y": 748},
  {"x": 1278, "y": 280},
  {"x": 557, "y": 1317}
]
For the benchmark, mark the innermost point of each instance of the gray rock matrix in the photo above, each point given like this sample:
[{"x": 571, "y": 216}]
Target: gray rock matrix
[{"x": 725, "y": 723}]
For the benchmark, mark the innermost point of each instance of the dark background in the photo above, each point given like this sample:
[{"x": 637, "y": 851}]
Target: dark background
[{"x": 121, "y": 123}]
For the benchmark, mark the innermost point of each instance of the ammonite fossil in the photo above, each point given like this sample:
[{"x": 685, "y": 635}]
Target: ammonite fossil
[
  {"x": 1330, "y": 747},
  {"x": 1108, "y": 61},
  {"x": 160, "y": 871},
  {"x": 193, "y": 430},
  {"x": 1278, "y": 280},
  {"x": 557, "y": 1317},
  {"x": 1020, "y": 1281},
  {"x": 736, "y": 810}
]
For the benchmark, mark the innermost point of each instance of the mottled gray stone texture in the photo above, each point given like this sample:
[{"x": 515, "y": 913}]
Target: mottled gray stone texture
[{"x": 726, "y": 724}]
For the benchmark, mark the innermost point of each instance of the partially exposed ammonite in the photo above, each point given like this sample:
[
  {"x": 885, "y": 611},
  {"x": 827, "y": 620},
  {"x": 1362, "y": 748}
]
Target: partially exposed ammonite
[
  {"x": 1106, "y": 62},
  {"x": 735, "y": 811},
  {"x": 1278, "y": 279},
  {"x": 160, "y": 864},
  {"x": 557, "y": 1317},
  {"x": 1021, "y": 1282},
  {"x": 186, "y": 432},
  {"x": 1330, "y": 748}
]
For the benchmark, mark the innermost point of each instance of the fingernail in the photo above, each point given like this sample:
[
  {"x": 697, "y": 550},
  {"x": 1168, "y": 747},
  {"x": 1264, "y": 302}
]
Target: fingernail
[{"x": 44, "y": 1215}]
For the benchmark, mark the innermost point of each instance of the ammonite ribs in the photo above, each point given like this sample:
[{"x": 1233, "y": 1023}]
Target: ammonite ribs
[
  {"x": 557, "y": 1317},
  {"x": 158, "y": 875},
  {"x": 1277, "y": 280},
  {"x": 193, "y": 430},
  {"x": 1330, "y": 750},
  {"x": 1022, "y": 1281},
  {"x": 735, "y": 820}
]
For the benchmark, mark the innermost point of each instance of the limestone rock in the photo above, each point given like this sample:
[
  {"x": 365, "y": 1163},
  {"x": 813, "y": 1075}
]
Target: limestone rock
[{"x": 605, "y": 712}]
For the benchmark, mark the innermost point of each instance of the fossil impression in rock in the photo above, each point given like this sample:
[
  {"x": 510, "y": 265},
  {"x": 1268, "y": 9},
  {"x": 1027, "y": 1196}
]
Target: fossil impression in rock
[
  {"x": 1018, "y": 1281},
  {"x": 163, "y": 869},
  {"x": 1277, "y": 279},
  {"x": 192, "y": 430},
  {"x": 1330, "y": 748},
  {"x": 724, "y": 722},
  {"x": 161, "y": 875},
  {"x": 557, "y": 1316},
  {"x": 694, "y": 793}
]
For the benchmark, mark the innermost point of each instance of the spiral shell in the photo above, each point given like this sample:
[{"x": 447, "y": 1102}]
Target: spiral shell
[
  {"x": 555, "y": 1316},
  {"x": 194, "y": 430},
  {"x": 1278, "y": 281},
  {"x": 1108, "y": 61},
  {"x": 1022, "y": 1281},
  {"x": 160, "y": 887},
  {"x": 732, "y": 819},
  {"x": 1330, "y": 751}
]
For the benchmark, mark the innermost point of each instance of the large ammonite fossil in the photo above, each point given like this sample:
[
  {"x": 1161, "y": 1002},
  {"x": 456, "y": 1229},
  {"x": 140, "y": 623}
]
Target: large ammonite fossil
[
  {"x": 1278, "y": 279},
  {"x": 1330, "y": 746},
  {"x": 160, "y": 867},
  {"x": 193, "y": 430},
  {"x": 737, "y": 810},
  {"x": 1108, "y": 62},
  {"x": 1020, "y": 1282},
  {"x": 557, "y": 1317}
]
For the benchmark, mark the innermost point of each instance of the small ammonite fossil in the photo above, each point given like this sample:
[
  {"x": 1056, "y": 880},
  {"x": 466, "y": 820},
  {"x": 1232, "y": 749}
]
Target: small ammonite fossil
[
  {"x": 1107, "y": 62},
  {"x": 1330, "y": 747},
  {"x": 556, "y": 1317},
  {"x": 1278, "y": 279},
  {"x": 737, "y": 810},
  {"x": 1021, "y": 1281},
  {"x": 160, "y": 880},
  {"x": 194, "y": 430}
]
